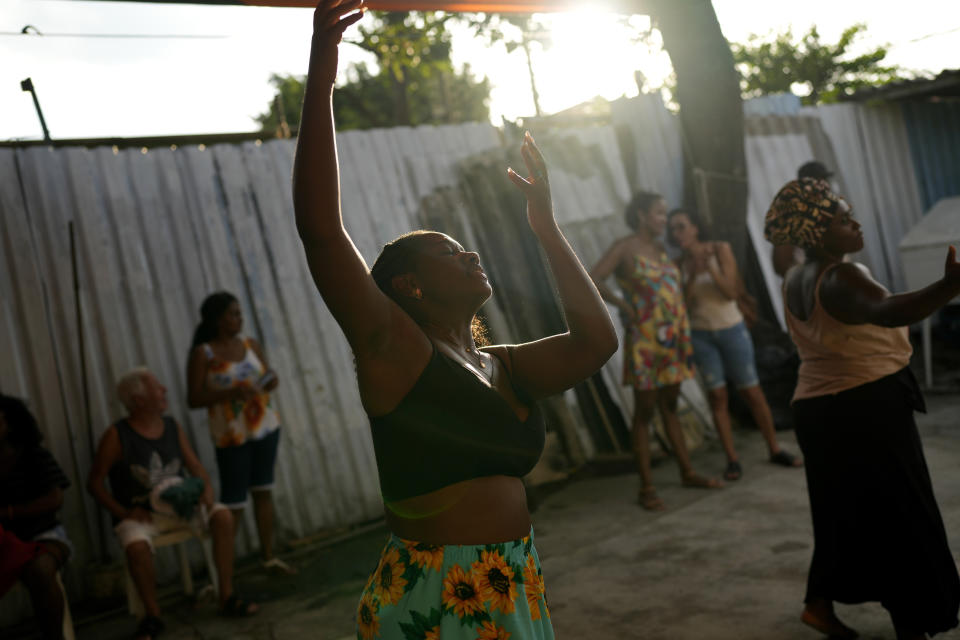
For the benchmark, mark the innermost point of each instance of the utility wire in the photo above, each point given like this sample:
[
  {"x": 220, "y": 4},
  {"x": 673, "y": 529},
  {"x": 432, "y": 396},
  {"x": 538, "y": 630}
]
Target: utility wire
[
  {"x": 30, "y": 30},
  {"x": 924, "y": 37},
  {"x": 934, "y": 35}
]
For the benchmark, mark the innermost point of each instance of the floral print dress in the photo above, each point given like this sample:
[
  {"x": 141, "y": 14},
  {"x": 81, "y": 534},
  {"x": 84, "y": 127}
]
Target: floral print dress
[
  {"x": 235, "y": 421},
  {"x": 657, "y": 344},
  {"x": 455, "y": 592}
]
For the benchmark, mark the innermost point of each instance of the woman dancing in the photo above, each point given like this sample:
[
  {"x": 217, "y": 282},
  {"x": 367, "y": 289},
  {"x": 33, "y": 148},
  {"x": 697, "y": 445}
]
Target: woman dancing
[
  {"x": 455, "y": 427},
  {"x": 878, "y": 534}
]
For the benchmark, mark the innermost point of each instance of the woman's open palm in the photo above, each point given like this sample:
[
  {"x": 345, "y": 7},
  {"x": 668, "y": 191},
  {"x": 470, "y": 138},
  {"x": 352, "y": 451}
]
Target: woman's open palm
[
  {"x": 536, "y": 186},
  {"x": 330, "y": 20}
]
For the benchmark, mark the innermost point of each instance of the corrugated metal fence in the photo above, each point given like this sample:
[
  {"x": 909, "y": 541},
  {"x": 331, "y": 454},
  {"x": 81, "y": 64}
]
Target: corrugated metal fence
[
  {"x": 157, "y": 230},
  {"x": 890, "y": 161}
]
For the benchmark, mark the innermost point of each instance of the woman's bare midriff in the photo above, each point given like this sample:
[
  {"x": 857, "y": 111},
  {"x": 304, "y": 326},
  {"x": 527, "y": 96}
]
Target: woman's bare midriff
[{"x": 479, "y": 511}]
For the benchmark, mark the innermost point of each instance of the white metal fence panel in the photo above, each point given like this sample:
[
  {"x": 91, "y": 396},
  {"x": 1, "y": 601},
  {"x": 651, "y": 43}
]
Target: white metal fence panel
[{"x": 156, "y": 232}]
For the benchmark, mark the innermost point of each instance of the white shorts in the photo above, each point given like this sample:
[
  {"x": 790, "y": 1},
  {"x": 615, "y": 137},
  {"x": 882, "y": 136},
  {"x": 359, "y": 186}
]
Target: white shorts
[
  {"x": 57, "y": 534},
  {"x": 129, "y": 530}
]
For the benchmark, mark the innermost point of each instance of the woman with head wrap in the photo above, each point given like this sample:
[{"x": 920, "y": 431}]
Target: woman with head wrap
[{"x": 878, "y": 534}]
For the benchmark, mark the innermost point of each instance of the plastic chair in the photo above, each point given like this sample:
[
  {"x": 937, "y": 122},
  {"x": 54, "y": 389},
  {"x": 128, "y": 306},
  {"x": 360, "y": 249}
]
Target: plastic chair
[{"x": 178, "y": 537}]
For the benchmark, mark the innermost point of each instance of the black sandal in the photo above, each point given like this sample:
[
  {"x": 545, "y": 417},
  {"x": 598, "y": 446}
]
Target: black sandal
[
  {"x": 784, "y": 459},
  {"x": 150, "y": 626},
  {"x": 733, "y": 472},
  {"x": 237, "y": 607}
]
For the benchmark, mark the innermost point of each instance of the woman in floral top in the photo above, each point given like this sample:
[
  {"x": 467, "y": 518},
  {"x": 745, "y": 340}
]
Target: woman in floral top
[
  {"x": 658, "y": 353},
  {"x": 230, "y": 376}
]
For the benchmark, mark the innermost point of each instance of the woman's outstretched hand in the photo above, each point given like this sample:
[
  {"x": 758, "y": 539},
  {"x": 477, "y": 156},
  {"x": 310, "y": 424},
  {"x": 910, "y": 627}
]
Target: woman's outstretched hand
[
  {"x": 951, "y": 268},
  {"x": 536, "y": 186},
  {"x": 330, "y": 19}
]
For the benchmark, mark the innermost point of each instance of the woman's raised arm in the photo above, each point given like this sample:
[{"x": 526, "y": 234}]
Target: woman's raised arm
[
  {"x": 556, "y": 363},
  {"x": 364, "y": 313}
]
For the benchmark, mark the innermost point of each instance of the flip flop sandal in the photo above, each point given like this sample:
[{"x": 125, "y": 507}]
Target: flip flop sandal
[
  {"x": 237, "y": 607},
  {"x": 649, "y": 500},
  {"x": 733, "y": 471},
  {"x": 696, "y": 481},
  {"x": 276, "y": 565},
  {"x": 783, "y": 459},
  {"x": 151, "y": 626}
]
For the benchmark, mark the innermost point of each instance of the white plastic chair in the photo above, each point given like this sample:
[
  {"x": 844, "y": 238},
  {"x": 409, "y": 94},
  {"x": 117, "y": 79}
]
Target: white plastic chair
[{"x": 177, "y": 537}]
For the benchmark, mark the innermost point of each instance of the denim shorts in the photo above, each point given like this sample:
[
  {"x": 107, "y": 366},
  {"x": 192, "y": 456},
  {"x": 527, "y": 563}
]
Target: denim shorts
[
  {"x": 247, "y": 467},
  {"x": 725, "y": 355}
]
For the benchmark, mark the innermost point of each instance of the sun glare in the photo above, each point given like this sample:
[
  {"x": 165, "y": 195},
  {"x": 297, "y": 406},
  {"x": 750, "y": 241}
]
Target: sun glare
[{"x": 588, "y": 54}]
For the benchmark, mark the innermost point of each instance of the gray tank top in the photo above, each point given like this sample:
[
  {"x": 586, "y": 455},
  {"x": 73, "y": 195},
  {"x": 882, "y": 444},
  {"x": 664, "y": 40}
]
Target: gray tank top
[{"x": 145, "y": 463}]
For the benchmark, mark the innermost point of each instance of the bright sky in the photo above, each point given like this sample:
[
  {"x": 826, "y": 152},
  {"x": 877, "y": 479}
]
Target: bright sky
[{"x": 99, "y": 87}]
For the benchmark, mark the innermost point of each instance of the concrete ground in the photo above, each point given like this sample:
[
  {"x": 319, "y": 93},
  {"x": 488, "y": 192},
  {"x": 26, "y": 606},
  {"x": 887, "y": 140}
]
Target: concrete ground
[{"x": 725, "y": 564}]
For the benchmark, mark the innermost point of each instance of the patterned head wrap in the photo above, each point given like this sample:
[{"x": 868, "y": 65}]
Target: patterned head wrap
[{"x": 800, "y": 213}]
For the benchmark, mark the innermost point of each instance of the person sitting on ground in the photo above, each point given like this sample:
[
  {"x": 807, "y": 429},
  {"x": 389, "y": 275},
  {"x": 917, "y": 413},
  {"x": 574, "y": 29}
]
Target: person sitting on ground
[
  {"x": 33, "y": 544},
  {"x": 145, "y": 456},
  {"x": 722, "y": 346}
]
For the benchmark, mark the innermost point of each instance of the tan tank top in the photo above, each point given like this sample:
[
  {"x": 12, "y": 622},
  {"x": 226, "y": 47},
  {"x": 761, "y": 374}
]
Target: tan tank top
[
  {"x": 836, "y": 356},
  {"x": 708, "y": 307}
]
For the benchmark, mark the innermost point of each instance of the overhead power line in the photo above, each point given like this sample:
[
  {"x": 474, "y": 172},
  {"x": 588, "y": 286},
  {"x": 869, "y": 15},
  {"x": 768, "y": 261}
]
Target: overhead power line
[
  {"x": 32, "y": 31},
  {"x": 934, "y": 35}
]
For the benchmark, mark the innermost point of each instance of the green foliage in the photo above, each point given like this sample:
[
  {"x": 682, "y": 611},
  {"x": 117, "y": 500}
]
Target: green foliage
[
  {"x": 287, "y": 99},
  {"x": 413, "y": 83},
  {"x": 827, "y": 70}
]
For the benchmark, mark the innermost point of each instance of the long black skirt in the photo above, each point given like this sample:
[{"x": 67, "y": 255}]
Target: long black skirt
[{"x": 878, "y": 534}]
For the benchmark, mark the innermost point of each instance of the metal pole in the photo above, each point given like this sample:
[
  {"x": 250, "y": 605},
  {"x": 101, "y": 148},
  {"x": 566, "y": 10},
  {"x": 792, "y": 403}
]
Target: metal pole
[
  {"x": 27, "y": 85},
  {"x": 533, "y": 82},
  {"x": 88, "y": 421}
]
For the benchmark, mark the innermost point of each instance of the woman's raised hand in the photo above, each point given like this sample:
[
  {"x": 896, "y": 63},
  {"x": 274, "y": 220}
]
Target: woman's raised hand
[
  {"x": 330, "y": 19},
  {"x": 536, "y": 187}
]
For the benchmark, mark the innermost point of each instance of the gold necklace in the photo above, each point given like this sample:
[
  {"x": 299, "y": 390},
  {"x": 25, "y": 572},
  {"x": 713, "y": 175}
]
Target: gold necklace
[
  {"x": 470, "y": 351},
  {"x": 476, "y": 354}
]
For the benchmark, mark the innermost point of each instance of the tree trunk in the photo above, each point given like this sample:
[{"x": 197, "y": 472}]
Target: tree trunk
[
  {"x": 401, "y": 109},
  {"x": 711, "y": 115}
]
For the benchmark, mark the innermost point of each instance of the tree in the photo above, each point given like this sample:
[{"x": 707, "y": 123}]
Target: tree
[
  {"x": 711, "y": 115},
  {"x": 516, "y": 31},
  {"x": 827, "y": 71},
  {"x": 414, "y": 81}
]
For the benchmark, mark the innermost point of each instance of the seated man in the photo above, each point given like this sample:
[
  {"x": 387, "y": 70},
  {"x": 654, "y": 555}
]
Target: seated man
[
  {"x": 33, "y": 543},
  {"x": 145, "y": 454}
]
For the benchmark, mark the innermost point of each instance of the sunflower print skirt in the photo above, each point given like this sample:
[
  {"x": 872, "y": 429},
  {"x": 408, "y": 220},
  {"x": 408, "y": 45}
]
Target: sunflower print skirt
[{"x": 422, "y": 591}]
